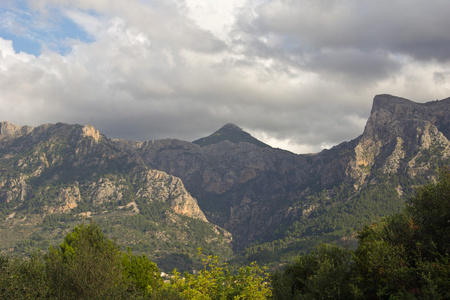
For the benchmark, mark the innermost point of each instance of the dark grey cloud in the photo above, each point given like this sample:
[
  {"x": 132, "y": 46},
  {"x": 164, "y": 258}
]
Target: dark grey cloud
[{"x": 416, "y": 28}]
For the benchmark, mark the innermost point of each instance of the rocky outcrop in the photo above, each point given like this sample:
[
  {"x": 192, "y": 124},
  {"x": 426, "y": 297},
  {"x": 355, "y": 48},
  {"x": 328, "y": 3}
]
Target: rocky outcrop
[
  {"x": 90, "y": 131},
  {"x": 69, "y": 198},
  {"x": 8, "y": 130},
  {"x": 159, "y": 186},
  {"x": 13, "y": 188},
  {"x": 398, "y": 128}
]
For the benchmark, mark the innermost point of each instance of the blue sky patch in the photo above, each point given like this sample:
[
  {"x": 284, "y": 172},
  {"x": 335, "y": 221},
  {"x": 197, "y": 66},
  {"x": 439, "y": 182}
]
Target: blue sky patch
[{"x": 30, "y": 32}]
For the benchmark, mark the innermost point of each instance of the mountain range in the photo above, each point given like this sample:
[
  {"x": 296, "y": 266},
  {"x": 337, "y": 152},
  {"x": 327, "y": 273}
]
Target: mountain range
[{"x": 227, "y": 192}]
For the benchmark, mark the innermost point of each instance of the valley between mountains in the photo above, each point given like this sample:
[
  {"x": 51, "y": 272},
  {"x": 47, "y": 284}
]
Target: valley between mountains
[{"x": 228, "y": 193}]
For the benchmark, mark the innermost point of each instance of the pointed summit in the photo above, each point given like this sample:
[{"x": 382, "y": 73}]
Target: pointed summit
[
  {"x": 230, "y": 126},
  {"x": 230, "y": 132}
]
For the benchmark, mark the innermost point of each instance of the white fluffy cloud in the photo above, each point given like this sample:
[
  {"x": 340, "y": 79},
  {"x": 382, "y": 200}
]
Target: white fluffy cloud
[{"x": 298, "y": 74}]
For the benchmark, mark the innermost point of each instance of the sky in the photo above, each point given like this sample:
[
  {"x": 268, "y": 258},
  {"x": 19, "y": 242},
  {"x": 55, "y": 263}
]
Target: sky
[{"x": 299, "y": 75}]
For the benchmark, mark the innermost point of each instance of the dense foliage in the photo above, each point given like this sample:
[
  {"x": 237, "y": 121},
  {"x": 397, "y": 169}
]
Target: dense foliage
[
  {"x": 214, "y": 281},
  {"x": 403, "y": 256},
  {"x": 88, "y": 265}
]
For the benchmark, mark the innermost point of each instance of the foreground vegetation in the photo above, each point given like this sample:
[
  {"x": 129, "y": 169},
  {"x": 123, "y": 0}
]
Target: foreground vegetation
[
  {"x": 88, "y": 265},
  {"x": 404, "y": 256}
]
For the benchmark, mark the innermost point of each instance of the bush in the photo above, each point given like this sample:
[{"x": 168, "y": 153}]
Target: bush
[
  {"x": 322, "y": 274},
  {"x": 214, "y": 281}
]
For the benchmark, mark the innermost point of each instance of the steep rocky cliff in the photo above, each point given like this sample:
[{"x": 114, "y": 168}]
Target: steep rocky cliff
[{"x": 401, "y": 136}]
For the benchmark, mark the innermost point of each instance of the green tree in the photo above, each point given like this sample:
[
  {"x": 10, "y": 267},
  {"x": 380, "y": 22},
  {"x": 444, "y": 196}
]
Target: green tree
[
  {"x": 214, "y": 281},
  {"x": 430, "y": 212},
  {"x": 324, "y": 273},
  {"x": 407, "y": 254},
  {"x": 382, "y": 267},
  {"x": 140, "y": 274},
  {"x": 23, "y": 278},
  {"x": 87, "y": 265}
]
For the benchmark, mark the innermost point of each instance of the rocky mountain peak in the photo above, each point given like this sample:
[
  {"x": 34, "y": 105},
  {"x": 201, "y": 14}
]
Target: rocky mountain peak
[
  {"x": 397, "y": 128},
  {"x": 391, "y": 116},
  {"x": 9, "y": 130},
  {"x": 230, "y": 127},
  {"x": 232, "y": 133},
  {"x": 389, "y": 103}
]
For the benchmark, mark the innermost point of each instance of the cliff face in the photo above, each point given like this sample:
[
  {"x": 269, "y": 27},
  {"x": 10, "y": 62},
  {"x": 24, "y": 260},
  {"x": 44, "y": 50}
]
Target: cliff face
[
  {"x": 252, "y": 190},
  {"x": 400, "y": 136}
]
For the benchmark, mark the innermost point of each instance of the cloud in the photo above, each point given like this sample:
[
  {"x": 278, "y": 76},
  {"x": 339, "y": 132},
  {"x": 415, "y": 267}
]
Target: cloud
[
  {"x": 414, "y": 28},
  {"x": 297, "y": 74}
]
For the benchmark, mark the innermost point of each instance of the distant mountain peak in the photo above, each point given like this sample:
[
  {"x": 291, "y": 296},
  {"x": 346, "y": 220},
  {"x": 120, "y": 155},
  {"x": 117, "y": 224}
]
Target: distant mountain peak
[
  {"x": 396, "y": 105},
  {"x": 232, "y": 133},
  {"x": 388, "y": 112},
  {"x": 390, "y": 102},
  {"x": 230, "y": 126}
]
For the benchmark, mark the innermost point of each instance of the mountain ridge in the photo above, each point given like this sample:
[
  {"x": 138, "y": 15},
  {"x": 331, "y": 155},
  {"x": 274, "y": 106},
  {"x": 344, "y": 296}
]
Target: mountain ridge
[{"x": 261, "y": 195}]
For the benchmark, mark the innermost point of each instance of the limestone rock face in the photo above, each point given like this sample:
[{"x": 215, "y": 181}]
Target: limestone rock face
[
  {"x": 90, "y": 131},
  {"x": 167, "y": 188},
  {"x": 9, "y": 130},
  {"x": 13, "y": 189},
  {"x": 69, "y": 198},
  {"x": 396, "y": 128}
]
